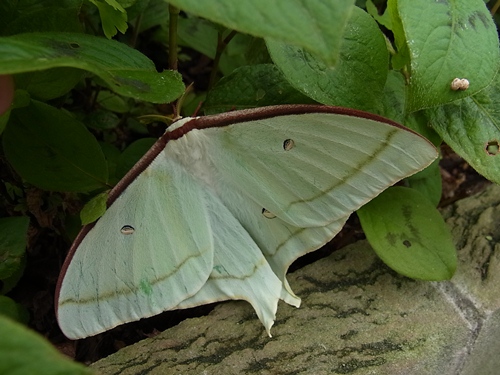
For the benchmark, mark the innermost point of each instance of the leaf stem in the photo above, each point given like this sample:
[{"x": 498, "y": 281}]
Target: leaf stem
[
  {"x": 172, "y": 37},
  {"x": 221, "y": 46},
  {"x": 495, "y": 7},
  {"x": 137, "y": 25}
]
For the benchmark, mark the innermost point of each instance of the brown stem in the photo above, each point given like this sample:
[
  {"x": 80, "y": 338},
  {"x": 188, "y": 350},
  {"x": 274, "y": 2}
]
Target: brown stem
[
  {"x": 172, "y": 37},
  {"x": 495, "y": 7},
  {"x": 221, "y": 46},
  {"x": 137, "y": 25}
]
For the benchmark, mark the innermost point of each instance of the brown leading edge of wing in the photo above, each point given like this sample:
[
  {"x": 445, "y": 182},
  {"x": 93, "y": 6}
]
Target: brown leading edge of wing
[
  {"x": 235, "y": 117},
  {"x": 230, "y": 118}
]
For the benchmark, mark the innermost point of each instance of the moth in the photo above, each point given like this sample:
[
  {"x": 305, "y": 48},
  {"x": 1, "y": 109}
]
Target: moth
[{"x": 221, "y": 205}]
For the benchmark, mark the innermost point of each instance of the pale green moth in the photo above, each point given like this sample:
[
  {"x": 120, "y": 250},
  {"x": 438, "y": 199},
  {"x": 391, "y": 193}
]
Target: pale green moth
[{"x": 220, "y": 207}]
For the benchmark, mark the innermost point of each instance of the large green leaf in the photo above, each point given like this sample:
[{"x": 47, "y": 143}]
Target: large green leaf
[
  {"x": 358, "y": 78},
  {"x": 316, "y": 26},
  {"x": 409, "y": 234},
  {"x": 52, "y": 150},
  {"x": 428, "y": 182},
  {"x": 113, "y": 17},
  {"x": 22, "y": 16},
  {"x": 471, "y": 126},
  {"x": 50, "y": 18},
  {"x": 24, "y": 352},
  {"x": 202, "y": 35},
  {"x": 252, "y": 86},
  {"x": 13, "y": 310},
  {"x": 49, "y": 84},
  {"x": 123, "y": 69},
  {"x": 10, "y": 282},
  {"x": 393, "y": 100},
  {"x": 13, "y": 238},
  {"x": 132, "y": 154},
  {"x": 94, "y": 208},
  {"x": 446, "y": 40}
]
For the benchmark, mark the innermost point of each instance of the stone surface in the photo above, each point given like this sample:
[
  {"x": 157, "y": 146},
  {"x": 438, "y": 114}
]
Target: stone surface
[{"x": 357, "y": 317}]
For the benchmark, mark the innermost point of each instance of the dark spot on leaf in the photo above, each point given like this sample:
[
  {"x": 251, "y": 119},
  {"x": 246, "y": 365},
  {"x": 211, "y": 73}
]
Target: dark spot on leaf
[
  {"x": 474, "y": 17},
  {"x": 492, "y": 148},
  {"x": 407, "y": 212},
  {"x": 391, "y": 238},
  {"x": 407, "y": 243},
  {"x": 135, "y": 83},
  {"x": 60, "y": 48}
]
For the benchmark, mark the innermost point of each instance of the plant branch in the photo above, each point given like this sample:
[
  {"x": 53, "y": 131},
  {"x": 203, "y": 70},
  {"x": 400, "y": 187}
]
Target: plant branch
[
  {"x": 221, "y": 46},
  {"x": 495, "y": 7},
  {"x": 172, "y": 37},
  {"x": 137, "y": 25}
]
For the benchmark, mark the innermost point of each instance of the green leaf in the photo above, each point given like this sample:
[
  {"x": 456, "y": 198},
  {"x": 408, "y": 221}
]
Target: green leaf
[
  {"x": 202, "y": 35},
  {"x": 13, "y": 310},
  {"x": 419, "y": 122},
  {"x": 112, "y": 155},
  {"x": 358, "y": 78},
  {"x": 384, "y": 19},
  {"x": 24, "y": 352},
  {"x": 316, "y": 26},
  {"x": 428, "y": 182},
  {"x": 125, "y": 70},
  {"x": 471, "y": 126},
  {"x": 154, "y": 14},
  {"x": 447, "y": 40},
  {"x": 49, "y": 84},
  {"x": 199, "y": 34},
  {"x": 402, "y": 58},
  {"x": 13, "y": 239},
  {"x": 58, "y": 17},
  {"x": 113, "y": 17},
  {"x": 102, "y": 120},
  {"x": 241, "y": 51},
  {"x": 112, "y": 102},
  {"x": 94, "y": 208},
  {"x": 252, "y": 86},
  {"x": 132, "y": 154},
  {"x": 52, "y": 150},
  {"x": 10, "y": 282},
  {"x": 393, "y": 100},
  {"x": 409, "y": 234},
  {"x": 21, "y": 99}
]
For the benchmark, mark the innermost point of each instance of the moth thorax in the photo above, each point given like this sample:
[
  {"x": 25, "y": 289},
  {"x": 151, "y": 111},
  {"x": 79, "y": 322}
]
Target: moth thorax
[
  {"x": 190, "y": 151},
  {"x": 268, "y": 214},
  {"x": 127, "y": 229},
  {"x": 288, "y": 144}
]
